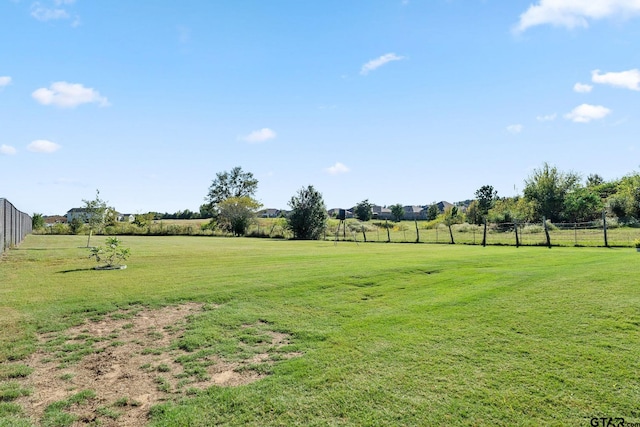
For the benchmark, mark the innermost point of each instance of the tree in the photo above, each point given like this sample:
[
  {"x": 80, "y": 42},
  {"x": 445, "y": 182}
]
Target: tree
[
  {"x": 112, "y": 254},
  {"x": 582, "y": 204},
  {"x": 308, "y": 217},
  {"x": 486, "y": 198},
  {"x": 473, "y": 213},
  {"x": 37, "y": 221},
  {"x": 235, "y": 183},
  {"x": 397, "y": 212},
  {"x": 363, "y": 210},
  {"x": 236, "y": 214},
  {"x": 547, "y": 188},
  {"x": 432, "y": 212},
  {"x": 594, "y": 180},
  {"x": 450, "y": 217},
  {"x": 94, "y": 214}
]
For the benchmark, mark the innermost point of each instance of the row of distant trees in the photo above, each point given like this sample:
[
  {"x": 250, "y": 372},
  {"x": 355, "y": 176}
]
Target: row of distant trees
[
  {"x": 548, "y": 193},
  {"x": 561, "y": 197}
]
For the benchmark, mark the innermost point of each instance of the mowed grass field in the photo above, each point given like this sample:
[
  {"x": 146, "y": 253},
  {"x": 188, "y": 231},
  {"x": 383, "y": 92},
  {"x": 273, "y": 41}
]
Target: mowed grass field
[{"x": 387, "y": 334}]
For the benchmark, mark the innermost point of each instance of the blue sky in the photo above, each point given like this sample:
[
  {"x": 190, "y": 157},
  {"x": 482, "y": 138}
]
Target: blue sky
[{"x": 395, "y": 101}]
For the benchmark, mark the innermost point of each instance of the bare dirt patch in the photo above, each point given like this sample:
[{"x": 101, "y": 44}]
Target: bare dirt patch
[{"x": 125, "y": 363}]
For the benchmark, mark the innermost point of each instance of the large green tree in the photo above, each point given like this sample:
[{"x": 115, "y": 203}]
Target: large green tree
[
  {"x": 234, "y": 183},
  {"x": 397, "y": 212},
  {"x": 363, "y": 210},
  {"x": 308, "y": 217},
  {"x": 486, "y": 198},
  {"x": 236, "y": 214},
  {"x": 547, "y": 188}
]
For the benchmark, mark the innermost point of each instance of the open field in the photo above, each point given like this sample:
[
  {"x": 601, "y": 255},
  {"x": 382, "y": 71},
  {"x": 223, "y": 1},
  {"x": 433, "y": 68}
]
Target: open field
[{"x": 319, "y": 333}]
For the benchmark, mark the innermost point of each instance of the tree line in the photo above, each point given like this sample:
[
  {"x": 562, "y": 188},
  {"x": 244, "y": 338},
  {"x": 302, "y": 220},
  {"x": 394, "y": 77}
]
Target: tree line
[{"x": 548, "y": 193}]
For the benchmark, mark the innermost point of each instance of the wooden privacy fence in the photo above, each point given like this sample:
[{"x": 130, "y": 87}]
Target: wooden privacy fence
[{"x": 14, "y": 225}]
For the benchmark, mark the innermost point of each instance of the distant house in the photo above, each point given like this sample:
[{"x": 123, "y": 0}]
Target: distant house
[
  {"x": 379, "y": 212},
  {"x": 126, "y": 217},
  {"x": 333, "y": 213},
  {"x": 414, "y": 212},
  {"x": 82, "y": 214},
  {"x": 50, "y": 220},
  {"x": 443, "y": 206},
  {"x": 269, "y": 213}
]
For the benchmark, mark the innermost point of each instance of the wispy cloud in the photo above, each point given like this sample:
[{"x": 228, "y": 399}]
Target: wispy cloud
[
  {"x": 43, "y": 146},
  {"x": 547, "y": 118},
  {"x": 7, "y": 150},
  {"x": 5, "y": 81},
  {"x": 53, "y": 11},
  {"x": 337, "y": 169},
  {"x": 582, "y": 88},
  {"x": 262, "y": 135},
  {"x": 379, "y": 62},
  {"x": 514, "y": 129},
  {"x": 625, "y": 79},
  {"x": 585, "y": 113},
  {"x": 68, "y": 95},
  {"x": 574, "y": 13}
]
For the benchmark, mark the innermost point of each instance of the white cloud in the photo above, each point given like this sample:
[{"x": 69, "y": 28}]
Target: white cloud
[
  {"x": 625, "y": 79},
  {"x": 44, "y": 13},
  {"x": 7, "y": 150},
  {"x": 43, "y": 146},
  {"x": 582, "y": 88},
  {"x": 547, "y": 118},
  {"x": 575, "y": 13},
  {"x": 261, "y": 135},
  {"x": 337, "y": 169},
  {"x": 514, "y": 129},
  {"x": 379, "y": 62},
  {"x": 68, "y": 95},
  {"x": 5, "y": 81},
  {"x": 585, "y": 113}
]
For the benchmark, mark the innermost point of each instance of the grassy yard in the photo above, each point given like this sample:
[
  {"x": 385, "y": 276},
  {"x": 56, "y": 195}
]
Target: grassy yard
[{"x": 387, "y": 334}]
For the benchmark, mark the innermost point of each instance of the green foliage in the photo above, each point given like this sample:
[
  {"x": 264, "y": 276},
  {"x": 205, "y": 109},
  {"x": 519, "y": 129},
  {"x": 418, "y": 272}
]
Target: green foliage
[
  {"x": 308, "y": 217},
  {"x": 397, "y": 212},
  {"x": 473, "y": 214},
  {"x": 582, "y": 204},
  {"x": 95, "y": 214},
  {"x": 486, "y": 197},
  {"x": 363, "y": 210},
  {"x": 144, "y": 220},
  {"x": 432, "y": 212},
  {"x": 512, "y": 209},
  {"x": 76, "y": 225},
  {"x": 235, "y": 183},
  {"x": 37, "y": 221},
  {"x": 112, "y": 254},
  {"x": 547, "y": 188},
  {"x": 235, "y": 214}
]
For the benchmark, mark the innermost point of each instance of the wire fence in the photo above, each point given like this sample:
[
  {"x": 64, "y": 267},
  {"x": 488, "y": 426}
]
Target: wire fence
[
  {"x": 14, "y": 225},
  {"x": 593, "y": 234}
]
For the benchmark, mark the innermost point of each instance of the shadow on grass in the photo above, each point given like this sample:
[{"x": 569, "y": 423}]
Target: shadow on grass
[{"x": 76, "y": 269}]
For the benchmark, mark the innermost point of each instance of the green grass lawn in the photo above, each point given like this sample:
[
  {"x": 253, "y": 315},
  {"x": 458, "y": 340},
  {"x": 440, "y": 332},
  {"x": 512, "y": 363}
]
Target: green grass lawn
[{"x": 390, "y": 334}]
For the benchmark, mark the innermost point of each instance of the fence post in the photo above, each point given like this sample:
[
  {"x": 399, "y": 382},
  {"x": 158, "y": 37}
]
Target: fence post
[
  {"x": 546, "y": 232},
  {"x": 417, "y": 231},
  {"x": 604, "y": 228},
  {"x": 515, "y": 228},
  {"x": 386, "y": 225},
  {"x": 484, "y": 234}
]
